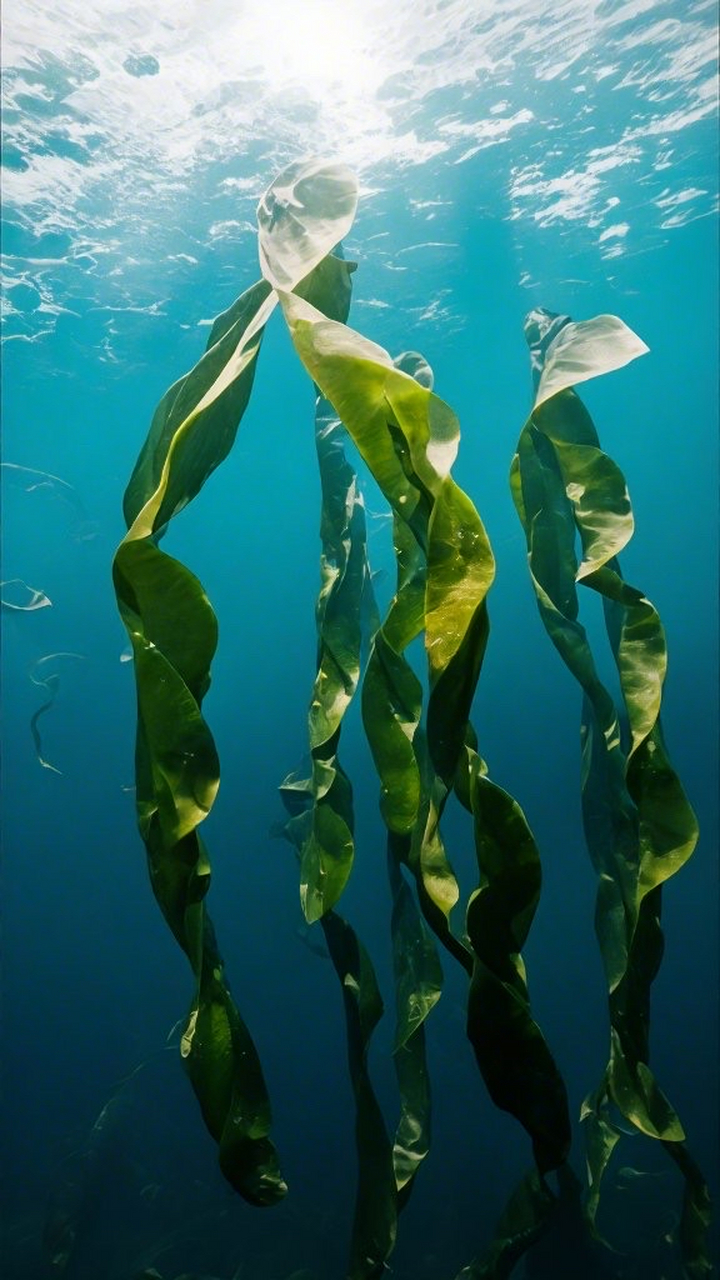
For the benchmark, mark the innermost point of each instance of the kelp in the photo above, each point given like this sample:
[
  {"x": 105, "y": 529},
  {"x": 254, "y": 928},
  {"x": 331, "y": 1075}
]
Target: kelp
[
  {"x": 173, "y": 633},
  {"x": 418, "y": 726},
  {"x": 639, "y": 826},
  {"x": 321, "y": 821},
  {"x": 408, "y": 438}
]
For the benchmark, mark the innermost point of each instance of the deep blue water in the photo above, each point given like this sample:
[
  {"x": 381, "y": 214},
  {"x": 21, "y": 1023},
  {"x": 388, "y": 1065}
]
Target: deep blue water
[{"x": 92, "y": 982}]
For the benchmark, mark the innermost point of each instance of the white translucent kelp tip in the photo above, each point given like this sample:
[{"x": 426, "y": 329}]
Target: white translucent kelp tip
[
  {"x": 303, "y": 214},
  {"x": 585, "y": 349}
]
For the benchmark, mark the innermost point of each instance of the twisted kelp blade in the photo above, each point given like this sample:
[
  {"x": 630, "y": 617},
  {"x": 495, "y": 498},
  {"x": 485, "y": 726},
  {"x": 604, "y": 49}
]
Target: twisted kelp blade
[
  {"x": 173, "y": 633},
  {"x": 376, "y": 1205},
  {"x": 512, "y": 1053},
  {"x": 584, "y": 350},
  {"x": 409, "y": 437},
  {"x": 326, "y": 854},
  {"x": 232, "y": 344},
  {"x": 344, "y": 608},
  {"x": 522, "y": 1222},
  {"x": 321, "y": 825},
  {"x": 639, "y": 826},
  {"x": 303, "y": 215},
  {"x": 375, "y": 1223},
  {"x": 177, "y": 770},
  {"x": 418, "y": 987}
]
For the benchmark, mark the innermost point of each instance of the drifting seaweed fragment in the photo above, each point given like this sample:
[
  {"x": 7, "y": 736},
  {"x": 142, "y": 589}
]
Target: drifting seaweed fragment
[
  {"x": 38, "y": 599},
  {"x": 51, "y": 683},
  {"x": 33, "y": 480}
]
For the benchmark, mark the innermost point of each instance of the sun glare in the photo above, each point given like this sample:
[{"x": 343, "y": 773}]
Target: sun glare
[{"x": 323, "y": 45}]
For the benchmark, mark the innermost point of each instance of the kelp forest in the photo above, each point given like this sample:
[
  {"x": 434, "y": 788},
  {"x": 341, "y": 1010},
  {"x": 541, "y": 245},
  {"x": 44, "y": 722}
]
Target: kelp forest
[{"x": 378, "y": 411}]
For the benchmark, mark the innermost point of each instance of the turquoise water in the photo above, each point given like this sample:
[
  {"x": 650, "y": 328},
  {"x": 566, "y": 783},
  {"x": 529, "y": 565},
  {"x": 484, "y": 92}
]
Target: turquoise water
[{"x": 562, "y": 156}]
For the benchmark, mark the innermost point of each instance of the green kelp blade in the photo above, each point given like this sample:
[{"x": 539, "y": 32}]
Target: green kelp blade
[
  {"x": 375, "y": 1223},
  {"x": 304, "y": 213},
  {"x": 320, "y": 807},
  {"x": 224, "y": 1069},
  {"x": 392, "y": 705},
  {"x": 668, "y": 828},
  {"x": 538, "y": 488},
  {"x": 223, "y": 379},
  {"x": 391, "y": 702},
  {"x": 327, "y": 853},
  {"x": 515, "y": 1061},
  {"x": 327, "y": 846},
  {"x": 522, "y": 1222},
  {"x": 696, "y": 1215},
  {"x": 173, "y": 633},
  {"x": 461, "y": 570},
  {"x": 639, "y": 826},
  {"x": 376, "y": 1199},
  {"x": 408, "y": 437},
  {"x": 418, "y": 987}
]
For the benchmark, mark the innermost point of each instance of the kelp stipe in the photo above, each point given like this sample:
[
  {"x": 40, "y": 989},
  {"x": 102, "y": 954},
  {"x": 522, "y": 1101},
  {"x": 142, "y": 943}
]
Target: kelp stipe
[
  {"x": 173, "y": 633},
  {"x": 639, "y": 826}
]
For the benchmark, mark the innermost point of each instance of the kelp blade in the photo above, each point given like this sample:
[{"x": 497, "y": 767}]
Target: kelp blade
[
  {"x": 408, "y": 437},
  {"x": 639, "y": 825},
  {"x": 303, "y": 215},
  {"x": 173, "y": 633}
]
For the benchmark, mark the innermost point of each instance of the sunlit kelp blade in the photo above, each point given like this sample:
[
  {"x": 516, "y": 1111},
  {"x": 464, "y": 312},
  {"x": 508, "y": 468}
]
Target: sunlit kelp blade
[
  {"x": 639, "y": 825},
  {"x": 320, "y": 807},
  {"x": 583, "y": 350},
  {"x": 408, "y": 438},
  {"x": 303, "y": 215},
  {"x": 345, "y": 606},
  {"x": 227, "y": 369},
  {"x": 173, "y": 634},
  {"x": 326, "y": 853}
]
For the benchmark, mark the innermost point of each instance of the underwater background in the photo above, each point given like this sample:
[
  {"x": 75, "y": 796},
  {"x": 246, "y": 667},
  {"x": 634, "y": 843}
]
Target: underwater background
[{"x": 511, "y": 155}]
